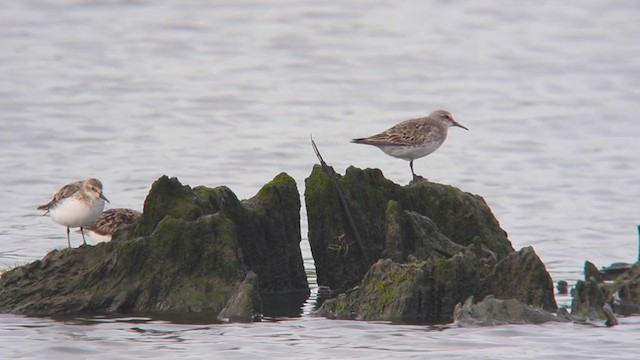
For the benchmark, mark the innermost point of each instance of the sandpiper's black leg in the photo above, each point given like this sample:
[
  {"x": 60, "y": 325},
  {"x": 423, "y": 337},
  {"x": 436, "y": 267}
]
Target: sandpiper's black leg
[
  {"x": 68, "y": 239},
  {"x": 411, "y": 167},
  {"x": 84, "y": 242},
  {"x": 416, "y": 178}
]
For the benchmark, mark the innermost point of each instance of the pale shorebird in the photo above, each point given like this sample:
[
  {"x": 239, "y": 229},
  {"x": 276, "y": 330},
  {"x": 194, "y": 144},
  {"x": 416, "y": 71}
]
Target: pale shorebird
[
  {"x": 77, "y": 204},
  {"x": 110, "y": 221},
  {"x": 413, "y": 139}
]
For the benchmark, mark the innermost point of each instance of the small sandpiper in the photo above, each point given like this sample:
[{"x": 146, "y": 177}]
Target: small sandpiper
[
  {"x": 110, "y": 221},
  {"x": 413, "y": 139},
  {"x": 77, "y": 204}
]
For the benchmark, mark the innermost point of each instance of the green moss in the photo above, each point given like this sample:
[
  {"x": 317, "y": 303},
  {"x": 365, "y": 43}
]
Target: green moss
[
  {"x": 342, "y": 308},
  {"x": 385, "y": 291},
  {"x": 618, "y": 282},
  {"x": 199, "y": 294},
  {"x": 318, "y": 190},
  {"x": 317, "y": 181},
  {"x": 588, "y": 299},
  {"x": 442, "y": 265},
  {"x": 393, "y": 232},
  {"x": 168, "y": 197},
  {"x": 281, "y": 181}
]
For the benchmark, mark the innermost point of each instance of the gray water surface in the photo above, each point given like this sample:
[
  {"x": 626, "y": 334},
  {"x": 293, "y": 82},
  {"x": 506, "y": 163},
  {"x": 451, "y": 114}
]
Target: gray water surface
[{"x": 228, "y": 92}]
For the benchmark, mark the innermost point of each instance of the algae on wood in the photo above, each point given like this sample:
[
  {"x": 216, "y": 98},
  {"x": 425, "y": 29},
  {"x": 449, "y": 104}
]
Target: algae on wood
[
  {"x": 377, "y": 205},
  {"x": 429, "y": 290},
  {"x": 425, "y": 291},
  {"x": 593, "y": 293},
  {"x": 193, "y": 251},
  {"x": 443, "y": 245},
  {"x": 183, "y": 266}
]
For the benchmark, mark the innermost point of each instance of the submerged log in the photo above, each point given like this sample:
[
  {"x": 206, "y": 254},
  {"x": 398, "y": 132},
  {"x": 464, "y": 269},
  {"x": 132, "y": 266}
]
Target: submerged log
[
  {"x": 621, "y": 293},
  {"x": 491, "y": 311}
]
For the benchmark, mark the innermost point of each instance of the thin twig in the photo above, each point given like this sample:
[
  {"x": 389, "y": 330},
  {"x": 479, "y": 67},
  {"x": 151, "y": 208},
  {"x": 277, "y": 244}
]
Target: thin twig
[{"x": 343, "y": 202}]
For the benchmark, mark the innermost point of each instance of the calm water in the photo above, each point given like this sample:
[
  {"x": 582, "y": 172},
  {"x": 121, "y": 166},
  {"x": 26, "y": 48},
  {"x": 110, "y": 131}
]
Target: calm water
[{"x": 227, "y": 93}]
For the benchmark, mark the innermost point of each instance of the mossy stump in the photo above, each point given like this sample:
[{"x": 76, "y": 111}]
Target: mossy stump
[
  {"x": 378, "y": 207},
  {"x": 592, "y": 293},
  {"x": 195, "y": 250},
  {"x": 441, "y": 246}
]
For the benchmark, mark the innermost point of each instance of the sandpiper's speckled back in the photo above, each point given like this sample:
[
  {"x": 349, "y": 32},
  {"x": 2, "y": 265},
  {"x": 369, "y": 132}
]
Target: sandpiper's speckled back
[{"x": 113, "y": 219}]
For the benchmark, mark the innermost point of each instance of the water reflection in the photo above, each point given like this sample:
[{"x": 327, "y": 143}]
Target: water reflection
[{"x": 276, "y": 306}]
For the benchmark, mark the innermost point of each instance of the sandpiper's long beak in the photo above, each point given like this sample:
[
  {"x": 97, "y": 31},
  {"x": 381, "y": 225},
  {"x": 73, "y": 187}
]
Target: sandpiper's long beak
[
  {"x": 104, "y": 198},
  {"x": 459, "y": 125}
]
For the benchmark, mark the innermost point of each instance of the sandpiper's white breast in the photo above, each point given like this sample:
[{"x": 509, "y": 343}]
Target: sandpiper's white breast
[
  {"x": 411, "y": 152},
  {"x": 73, "y": 212},
  {"x": 96, "y": 236}
]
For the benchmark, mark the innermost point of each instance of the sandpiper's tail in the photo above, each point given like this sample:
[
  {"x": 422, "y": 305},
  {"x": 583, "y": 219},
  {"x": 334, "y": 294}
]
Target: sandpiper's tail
[{"x": 45, "y": 207}]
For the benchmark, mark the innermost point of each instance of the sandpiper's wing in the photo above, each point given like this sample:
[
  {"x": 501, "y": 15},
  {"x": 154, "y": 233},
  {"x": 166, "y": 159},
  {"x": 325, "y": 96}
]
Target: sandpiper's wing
[
  {"x": 66, "y": 191},
  {"x": 407, "y": 133},
  {"x": 112, "y": 219}
]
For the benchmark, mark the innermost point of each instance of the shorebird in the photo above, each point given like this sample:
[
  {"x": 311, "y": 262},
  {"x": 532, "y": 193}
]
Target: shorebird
[
  {"x": 413, "y": 139},
  {"x": 77, "y": 204},
  {"x": 110, "y": 221}
]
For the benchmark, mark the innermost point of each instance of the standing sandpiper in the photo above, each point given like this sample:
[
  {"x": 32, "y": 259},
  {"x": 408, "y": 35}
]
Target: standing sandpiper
[
  {"x": 413, "y": 139},
  {"x": 110, "y": 221},
  {"x": 77, "y": 204}
]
